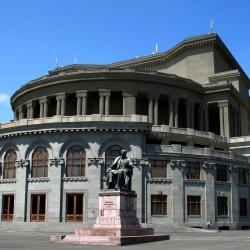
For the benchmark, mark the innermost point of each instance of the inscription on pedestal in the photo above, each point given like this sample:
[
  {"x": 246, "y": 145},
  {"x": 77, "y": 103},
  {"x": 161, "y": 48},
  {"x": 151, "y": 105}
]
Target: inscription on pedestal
[{"x": 109, "y": 203}]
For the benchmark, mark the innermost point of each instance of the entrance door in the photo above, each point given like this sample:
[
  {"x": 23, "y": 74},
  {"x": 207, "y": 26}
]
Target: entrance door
[
  {"x": 38, "y": 207},
  {"x": 7, "y": 207},
  {"x": 74, "y": 207}
]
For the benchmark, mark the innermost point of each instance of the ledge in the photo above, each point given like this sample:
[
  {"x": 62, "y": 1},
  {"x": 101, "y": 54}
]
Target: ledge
[
  {"x": 38, "y": 180},
  {"x": 8, "y": 181},
  {"x": 194, "y": 181},
  {"x": 75, "y": 179},
  {"x": 223, "y": 183},
  {"x": 160, "y": 180}
]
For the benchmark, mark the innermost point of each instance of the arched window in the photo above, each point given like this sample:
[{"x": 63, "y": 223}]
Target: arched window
[
  {"x": 111, "y": 153},
  {"x": 40, "y": 163},
  {"x": 9, "y": 167},
  {"x": 76, "y": 161}
]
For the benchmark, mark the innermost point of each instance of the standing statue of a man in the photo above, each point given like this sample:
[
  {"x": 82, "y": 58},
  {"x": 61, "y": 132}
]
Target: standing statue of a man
[{"x": 120, "y": 173}]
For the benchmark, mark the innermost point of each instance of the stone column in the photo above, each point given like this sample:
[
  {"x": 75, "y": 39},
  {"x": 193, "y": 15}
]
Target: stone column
[
  {"x": 79, "y": 105},
  {"x": 101, "y": 103},
  {"x": 107, "y": 104},
  {"x": 221, "y": 111},
  {"x": 171, "y": 112},
  {"x": 41, "y": 108},
  {"x": 150, "y": 110},
  {"x": 61, "y": 104},
  {"x": 22, "y": 166},
  {"x": 82, "y": 102},
  {"x": 30, "y": 110},
  {"x": 58, "y": 106},
  {"x": 45, "y": 107},
  {"x": 176, "y": 115},
  {"x": 234, "y": 193},
  {"x": 224, "y": 118},
  {"x": 20, "y": 112},
  {"x": 129, "y": 102},
  {"x": 210, "y": 171},
  {"x": 156, "y": 110},
  {"x": 54, "y": 211},
  {"x": 178, "y": 167}
]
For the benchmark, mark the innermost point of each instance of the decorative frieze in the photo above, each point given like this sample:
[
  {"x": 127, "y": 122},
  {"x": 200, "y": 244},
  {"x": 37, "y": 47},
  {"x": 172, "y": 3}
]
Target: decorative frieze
[
  {"x": 140, "y": 162},
  {"x": 178, "y": 164},
  {"x": 7, "y": 181},
  {"x": 160, "y": 180},
  {"x": 75, "y": 179},
  {"x": 209, "y": 165},
  {"x": 22, "y": 163},
  {"x": 57, "y": 162},
  {"x": 95, "y": 161},
  {"x": 38, "y": 180}
]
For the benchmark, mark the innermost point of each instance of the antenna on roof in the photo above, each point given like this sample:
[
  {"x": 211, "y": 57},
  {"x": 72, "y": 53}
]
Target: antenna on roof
[
  {"x": 156, "y": 49},
  {"x": 211, "y": 26},
  {"x": 75, "y": 60},
  {"x": 57, "y": 65}
]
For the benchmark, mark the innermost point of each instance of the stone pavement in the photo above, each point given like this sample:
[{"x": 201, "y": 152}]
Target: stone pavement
[{"x": 226, "y": 240}]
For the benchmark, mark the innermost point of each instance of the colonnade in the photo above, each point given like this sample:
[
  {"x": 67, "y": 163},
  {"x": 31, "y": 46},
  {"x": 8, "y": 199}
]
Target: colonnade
[{"x": 226, "y": 114}]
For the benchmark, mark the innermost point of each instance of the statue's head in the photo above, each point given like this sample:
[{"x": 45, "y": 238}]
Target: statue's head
[{"x": 123, "y": 152}]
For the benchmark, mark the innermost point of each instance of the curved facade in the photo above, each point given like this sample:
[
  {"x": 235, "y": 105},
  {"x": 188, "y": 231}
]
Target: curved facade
[{"x": 181, "y": 115}]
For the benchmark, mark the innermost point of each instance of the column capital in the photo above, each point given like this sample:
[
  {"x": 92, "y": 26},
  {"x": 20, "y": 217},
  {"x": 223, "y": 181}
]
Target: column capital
[
  {"x": 104, "y": 92},
  {"x": 129, "y": 93},
  {"x": 29, "y": 104},
  {"x": 223, "y": 104},
  {"x": 82, "y": 93},
  {"x": 60, "y": 96},
  {"x": 43, "y": 99}
]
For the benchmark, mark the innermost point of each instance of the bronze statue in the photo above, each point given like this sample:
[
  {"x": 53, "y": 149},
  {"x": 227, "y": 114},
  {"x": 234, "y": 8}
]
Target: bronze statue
[{"x": 120, "y": 173}]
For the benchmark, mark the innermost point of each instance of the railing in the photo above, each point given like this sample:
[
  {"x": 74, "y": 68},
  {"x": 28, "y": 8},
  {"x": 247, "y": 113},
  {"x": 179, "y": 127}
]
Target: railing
[
  {"x": 178, "y": 149},
  {"x": 84, "y": 118},
  {"x": 190, "y": 132}
]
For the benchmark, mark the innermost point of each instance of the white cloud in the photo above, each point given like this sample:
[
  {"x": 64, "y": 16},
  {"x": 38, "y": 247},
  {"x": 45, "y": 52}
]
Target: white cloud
[{"x": 4, "y": 99}]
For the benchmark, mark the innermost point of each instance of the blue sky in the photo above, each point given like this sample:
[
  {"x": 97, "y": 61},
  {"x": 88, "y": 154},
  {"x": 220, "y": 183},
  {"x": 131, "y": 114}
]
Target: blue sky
[{"x": 34, "y": 32}]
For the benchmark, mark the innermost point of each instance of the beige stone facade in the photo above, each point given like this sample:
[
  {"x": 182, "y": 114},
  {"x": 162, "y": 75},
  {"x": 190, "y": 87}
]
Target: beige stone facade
[{"x": 182, "y": 115}]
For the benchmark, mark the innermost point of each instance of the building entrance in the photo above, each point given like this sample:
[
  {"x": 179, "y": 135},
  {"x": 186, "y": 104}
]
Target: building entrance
[
  {"x": 8, "y": 208},
  {"x": 74, "y": 207},
  {"x": 38, "y": 207}
]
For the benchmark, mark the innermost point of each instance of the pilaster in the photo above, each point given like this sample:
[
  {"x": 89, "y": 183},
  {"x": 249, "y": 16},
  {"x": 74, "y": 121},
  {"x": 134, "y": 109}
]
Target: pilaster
[{"x": 129, "y": 102}]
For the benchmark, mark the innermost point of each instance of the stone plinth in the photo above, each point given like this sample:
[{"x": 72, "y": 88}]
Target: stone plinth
[
  {"x": 117, "y": 223},
  {"x": 117, "y": 209}
]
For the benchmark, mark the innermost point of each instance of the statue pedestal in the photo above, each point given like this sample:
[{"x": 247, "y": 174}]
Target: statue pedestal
[{"x": 116, "y": 224}]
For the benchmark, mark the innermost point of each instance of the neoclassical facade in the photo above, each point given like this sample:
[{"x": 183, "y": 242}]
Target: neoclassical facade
[{"x": 182, "y": 115}]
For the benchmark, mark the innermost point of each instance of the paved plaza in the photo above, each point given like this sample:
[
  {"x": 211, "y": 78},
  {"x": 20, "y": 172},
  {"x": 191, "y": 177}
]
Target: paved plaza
[{"x": 229, "y": 240}]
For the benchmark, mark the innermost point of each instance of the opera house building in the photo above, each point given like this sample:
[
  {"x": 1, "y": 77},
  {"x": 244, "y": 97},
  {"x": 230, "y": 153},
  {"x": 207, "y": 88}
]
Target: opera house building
[{"x": 182, "y": 115}]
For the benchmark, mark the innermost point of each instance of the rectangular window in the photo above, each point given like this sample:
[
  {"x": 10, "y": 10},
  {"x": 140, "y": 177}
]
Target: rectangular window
[
  {"x": 222, "y": 206},
  {"x": 38, "y": 207},
  {"x": 193, "y": 170},
  {"x": 74, "y": 207},
  {"x": 158, "y": 169},
  {"x": 193, "y": 205},
  {"x": 159, "y": 204},
  {"x": 242, "y": 176},
  {"x": 7, "y": 207},
  {"x": 243, "y": 206},
  {"x": 221, "y": 173}
]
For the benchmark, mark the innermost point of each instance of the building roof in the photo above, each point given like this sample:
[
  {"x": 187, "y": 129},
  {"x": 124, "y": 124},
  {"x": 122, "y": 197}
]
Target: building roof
[{"x": 187, "y": 44}]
